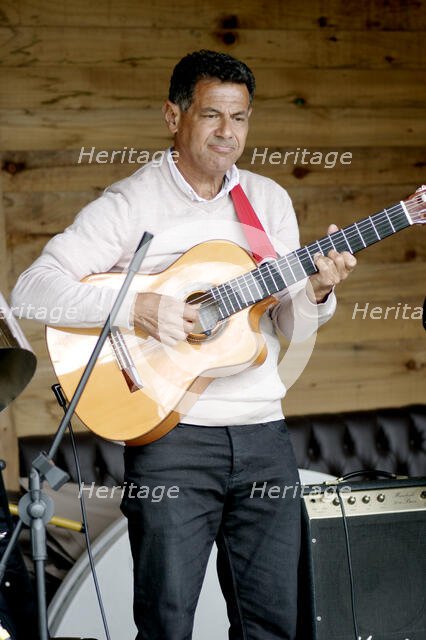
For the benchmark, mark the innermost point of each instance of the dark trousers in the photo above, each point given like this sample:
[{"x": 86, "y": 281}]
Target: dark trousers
[{"x": 234, "y": 485}]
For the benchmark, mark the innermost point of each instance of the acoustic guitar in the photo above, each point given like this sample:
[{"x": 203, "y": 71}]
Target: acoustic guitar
[{"x": 140, "y": 387}]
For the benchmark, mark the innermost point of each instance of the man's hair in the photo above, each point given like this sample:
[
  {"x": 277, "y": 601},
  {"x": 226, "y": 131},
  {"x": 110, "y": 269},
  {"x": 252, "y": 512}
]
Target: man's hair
[{"x": 206, "y": 64}]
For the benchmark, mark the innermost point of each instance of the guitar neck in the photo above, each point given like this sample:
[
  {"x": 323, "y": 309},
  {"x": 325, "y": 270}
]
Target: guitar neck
[{"x": 276, "y": 275}]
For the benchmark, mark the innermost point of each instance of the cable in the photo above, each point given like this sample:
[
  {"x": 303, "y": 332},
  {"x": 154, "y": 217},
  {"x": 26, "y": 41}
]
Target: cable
[
  {"x": 86, "y": 534},
  {"x": 348, "y": 553},
  {"x": 57, "y": 390}
]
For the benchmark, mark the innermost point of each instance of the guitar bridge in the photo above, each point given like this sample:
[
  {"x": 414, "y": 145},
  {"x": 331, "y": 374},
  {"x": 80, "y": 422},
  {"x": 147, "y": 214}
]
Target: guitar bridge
[{"x": 125, "y": 360}]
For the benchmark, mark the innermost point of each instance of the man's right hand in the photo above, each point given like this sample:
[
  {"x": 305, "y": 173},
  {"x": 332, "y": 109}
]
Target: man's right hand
[{"x": 165, "y": 318}]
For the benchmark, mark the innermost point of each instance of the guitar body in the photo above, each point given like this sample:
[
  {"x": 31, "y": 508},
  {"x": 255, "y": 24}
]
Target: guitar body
[
  {"x": 167, "y": 381},
  {"x": 140, "y": 387}
]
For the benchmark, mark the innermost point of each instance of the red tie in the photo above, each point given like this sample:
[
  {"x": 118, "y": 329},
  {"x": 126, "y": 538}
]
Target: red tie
[{"x": 259, "y": 242}]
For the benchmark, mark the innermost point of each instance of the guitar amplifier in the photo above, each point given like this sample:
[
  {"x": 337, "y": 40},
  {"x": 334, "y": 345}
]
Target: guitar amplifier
[{"x": 386, "y": 525}]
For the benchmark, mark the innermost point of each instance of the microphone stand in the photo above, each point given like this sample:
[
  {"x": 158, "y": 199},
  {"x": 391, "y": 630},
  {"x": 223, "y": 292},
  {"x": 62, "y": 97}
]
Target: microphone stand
[{"x": 35, "y": 507}]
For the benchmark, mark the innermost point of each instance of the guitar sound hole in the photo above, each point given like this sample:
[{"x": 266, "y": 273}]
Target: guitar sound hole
[{"x": 209, "y": 323}]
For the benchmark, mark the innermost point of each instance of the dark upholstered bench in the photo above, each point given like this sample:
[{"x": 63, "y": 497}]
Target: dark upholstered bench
[{"x": 387, "y": 439}]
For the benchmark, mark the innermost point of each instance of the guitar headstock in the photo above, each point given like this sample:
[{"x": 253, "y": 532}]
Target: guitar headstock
[{"x": 415, "y": 205}]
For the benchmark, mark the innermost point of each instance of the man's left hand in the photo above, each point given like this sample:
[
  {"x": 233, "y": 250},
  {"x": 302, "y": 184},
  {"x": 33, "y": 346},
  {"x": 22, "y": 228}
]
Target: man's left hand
[{"x": 332, "y": 269}]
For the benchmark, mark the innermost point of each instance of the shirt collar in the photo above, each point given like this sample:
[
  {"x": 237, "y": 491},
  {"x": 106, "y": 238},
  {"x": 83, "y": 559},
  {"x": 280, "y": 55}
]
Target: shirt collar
[{"x": 231, "y": 179}]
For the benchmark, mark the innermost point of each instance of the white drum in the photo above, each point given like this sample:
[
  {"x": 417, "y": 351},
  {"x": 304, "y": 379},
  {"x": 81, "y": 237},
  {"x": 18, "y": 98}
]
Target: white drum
[{"x": 74, "y": 610}]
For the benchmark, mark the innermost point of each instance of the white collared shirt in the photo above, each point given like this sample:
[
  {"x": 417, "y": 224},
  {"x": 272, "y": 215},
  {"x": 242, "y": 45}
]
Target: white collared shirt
[{"x": 231, "y": 179}]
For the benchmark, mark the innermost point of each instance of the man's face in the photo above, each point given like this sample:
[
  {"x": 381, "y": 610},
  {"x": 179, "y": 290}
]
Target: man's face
[{"x": 210, "y": 136}]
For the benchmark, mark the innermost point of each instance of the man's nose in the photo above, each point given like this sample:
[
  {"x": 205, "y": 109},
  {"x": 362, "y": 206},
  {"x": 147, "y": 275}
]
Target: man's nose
[{"x": 224, "y": 127}]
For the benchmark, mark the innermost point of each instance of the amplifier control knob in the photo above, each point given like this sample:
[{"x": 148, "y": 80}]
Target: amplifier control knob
[
  {"x": 366, "y": 499},
  {"x": 336, "y": 502},
  {"x": 381, "y": 497},
  {"x": 351, "y": 500}
]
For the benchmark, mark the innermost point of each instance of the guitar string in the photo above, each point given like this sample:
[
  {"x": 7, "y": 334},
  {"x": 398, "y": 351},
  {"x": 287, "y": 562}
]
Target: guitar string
[
  {"x": 155, "y": 344},
  {"x": 381, "y": 216},
  {"x": 207, "y": 297},
  {"x": 350, "y": 234},
  {"x": 293, "y": 260}
]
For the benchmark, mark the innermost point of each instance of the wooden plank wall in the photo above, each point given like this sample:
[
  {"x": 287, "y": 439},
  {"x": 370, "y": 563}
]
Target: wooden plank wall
[
  {"x": 8, "y": 441},
  {"x": 338, "y": 75}
]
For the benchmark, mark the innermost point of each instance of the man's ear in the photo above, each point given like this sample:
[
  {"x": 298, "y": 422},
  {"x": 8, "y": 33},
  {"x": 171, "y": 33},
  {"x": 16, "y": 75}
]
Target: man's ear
[{"x": 171, "y": 112}]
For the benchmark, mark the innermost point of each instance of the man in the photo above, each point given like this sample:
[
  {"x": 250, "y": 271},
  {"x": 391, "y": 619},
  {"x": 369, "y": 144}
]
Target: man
[{"x": 235, "y": 434}]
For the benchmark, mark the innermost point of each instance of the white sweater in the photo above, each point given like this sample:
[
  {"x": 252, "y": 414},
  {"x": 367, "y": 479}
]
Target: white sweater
[{"x": 104, "y": 236}]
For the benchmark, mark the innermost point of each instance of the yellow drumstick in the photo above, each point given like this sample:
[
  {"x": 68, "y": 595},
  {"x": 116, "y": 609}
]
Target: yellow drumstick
[{"x": 65, "y": 523}]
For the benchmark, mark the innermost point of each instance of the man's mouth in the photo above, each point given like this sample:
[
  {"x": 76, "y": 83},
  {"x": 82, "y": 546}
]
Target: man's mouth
[{"x": 220, "y": 148}]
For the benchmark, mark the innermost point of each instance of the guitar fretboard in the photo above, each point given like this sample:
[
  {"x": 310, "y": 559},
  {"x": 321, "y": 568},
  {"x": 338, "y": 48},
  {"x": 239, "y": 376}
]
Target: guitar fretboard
[{"x": 276, "y": 275}]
